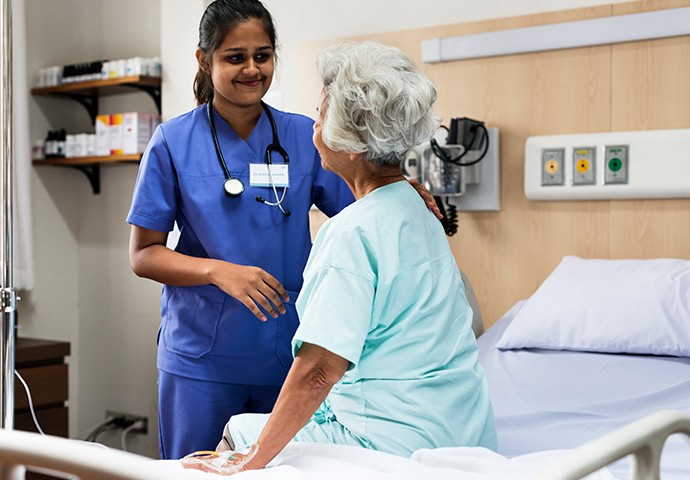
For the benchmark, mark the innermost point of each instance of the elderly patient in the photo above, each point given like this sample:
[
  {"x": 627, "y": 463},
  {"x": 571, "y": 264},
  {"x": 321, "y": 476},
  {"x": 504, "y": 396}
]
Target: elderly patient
[{"x": 385, "y": 357}]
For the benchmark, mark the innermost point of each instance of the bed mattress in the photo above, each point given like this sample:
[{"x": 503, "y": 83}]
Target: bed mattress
[{"x": 550, "y": 399}]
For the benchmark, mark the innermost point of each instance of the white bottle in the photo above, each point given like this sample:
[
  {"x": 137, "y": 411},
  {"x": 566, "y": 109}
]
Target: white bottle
[
  {"x": 91, "y": 145},
  {"x": 37, "y": 152},
  {"x": 70, "y": 141}
]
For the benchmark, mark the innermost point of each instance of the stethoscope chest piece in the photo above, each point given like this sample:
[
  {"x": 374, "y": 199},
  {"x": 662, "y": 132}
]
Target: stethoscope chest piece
[{"x": 233, "y": 187}]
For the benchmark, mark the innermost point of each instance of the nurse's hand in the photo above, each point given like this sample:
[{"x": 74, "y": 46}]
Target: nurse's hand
[
  {"x": 427, "y": 197},
  {"x": 252, "y": 286}
]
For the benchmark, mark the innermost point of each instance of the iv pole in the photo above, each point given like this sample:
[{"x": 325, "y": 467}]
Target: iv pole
[{"x": 7, "y": 292}]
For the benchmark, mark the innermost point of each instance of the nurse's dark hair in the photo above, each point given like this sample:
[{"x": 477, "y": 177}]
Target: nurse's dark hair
[{"x": 220, "y": 17}]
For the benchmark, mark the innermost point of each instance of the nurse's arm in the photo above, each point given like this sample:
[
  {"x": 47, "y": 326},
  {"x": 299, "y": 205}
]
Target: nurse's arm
[
  {"x": 310, "y": 379},
  {"x": 150, "y": 258}
]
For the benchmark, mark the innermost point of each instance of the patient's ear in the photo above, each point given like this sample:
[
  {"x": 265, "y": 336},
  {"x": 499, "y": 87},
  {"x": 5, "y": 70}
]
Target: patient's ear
[{"x": 355, "y": 156}]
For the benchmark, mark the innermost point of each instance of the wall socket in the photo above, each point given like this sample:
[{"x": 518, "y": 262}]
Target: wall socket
[
  {"x": 616, "y": 164},
  {"x": 624, "y": 165},
  {"x": 124, "y": 420},
  {"x": 584, "y": 165},
  {"x": 552, "y": 166}
]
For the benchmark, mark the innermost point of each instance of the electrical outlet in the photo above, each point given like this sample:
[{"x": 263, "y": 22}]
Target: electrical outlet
[
  {"x": 616, "y": 163},
  {"x": 552, "y": 166},
  {"x": 126, "y": 420},
  {"x": 584, "y": 165}
]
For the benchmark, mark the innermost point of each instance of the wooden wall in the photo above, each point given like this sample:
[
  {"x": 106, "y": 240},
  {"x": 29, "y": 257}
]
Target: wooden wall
[{"x": 633, "y": 86}]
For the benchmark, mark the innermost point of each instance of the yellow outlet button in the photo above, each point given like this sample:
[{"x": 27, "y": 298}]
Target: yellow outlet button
[
  {"x": 551, "y": 166},
  {"x": 582, "y": 165}
]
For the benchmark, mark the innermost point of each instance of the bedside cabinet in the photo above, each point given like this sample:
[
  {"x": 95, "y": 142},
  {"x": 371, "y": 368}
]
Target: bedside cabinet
[{"x": 42, "y": 365}]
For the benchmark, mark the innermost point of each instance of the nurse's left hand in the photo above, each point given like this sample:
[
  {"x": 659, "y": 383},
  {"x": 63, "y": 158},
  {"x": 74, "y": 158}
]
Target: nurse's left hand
[{"x": 427, "y": 197}]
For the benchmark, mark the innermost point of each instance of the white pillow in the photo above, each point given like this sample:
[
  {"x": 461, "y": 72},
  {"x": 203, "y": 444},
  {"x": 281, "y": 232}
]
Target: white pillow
[{"x": 617, "y": 306}]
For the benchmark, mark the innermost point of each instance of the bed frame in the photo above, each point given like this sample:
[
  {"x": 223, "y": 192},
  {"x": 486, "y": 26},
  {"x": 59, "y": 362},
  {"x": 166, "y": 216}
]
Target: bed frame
[
  {"x": 643, "y": 439},
  {"x": 65, "y": 458}
]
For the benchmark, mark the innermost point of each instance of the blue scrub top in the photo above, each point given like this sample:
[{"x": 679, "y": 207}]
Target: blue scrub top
[{"x": 205, "y": 333}]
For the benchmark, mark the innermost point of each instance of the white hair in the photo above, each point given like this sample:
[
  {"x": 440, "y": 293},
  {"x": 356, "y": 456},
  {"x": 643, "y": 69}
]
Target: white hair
[{"x": 377, "y": 101}]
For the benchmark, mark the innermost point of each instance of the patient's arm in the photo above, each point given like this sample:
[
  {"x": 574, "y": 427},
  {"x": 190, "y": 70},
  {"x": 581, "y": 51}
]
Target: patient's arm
[{"x": 313, "y": 373}]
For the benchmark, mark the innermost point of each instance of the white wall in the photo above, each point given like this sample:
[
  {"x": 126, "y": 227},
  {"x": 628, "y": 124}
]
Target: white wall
[
  {"x": 179, "y": 38},
  {"x": 85, "y": 292},
  {"x": 83, "y": 283}
]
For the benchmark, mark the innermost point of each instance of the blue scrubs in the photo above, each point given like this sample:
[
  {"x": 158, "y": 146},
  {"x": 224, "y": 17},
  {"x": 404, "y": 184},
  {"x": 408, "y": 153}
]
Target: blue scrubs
[
  {"x": 383, "y": 291},
  {"x": 206, "y": 334}
]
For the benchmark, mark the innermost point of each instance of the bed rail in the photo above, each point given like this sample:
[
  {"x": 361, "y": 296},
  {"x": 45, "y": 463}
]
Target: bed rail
[
  {"x": 74, "y": 458},
  {"x": 643, "y": 439}
]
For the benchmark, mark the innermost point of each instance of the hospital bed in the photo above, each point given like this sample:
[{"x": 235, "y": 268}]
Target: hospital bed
[
  {"x": 601, "y": 344},
  {"x": 592, "y": 370}
]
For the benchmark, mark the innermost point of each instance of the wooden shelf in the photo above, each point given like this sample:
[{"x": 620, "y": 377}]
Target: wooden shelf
[
  {"x": 89, "y": 166},
  {"x": 111, "y": 86},
  {"x": 87, "y": 94},
  {"x": 89, "y": 160}
]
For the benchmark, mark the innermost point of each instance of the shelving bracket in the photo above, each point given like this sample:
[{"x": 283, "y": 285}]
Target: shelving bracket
[
  {"x": 154, "y": 93},
  {"x": 93, "y": 173},
  {"x": 89, "y": 102}
]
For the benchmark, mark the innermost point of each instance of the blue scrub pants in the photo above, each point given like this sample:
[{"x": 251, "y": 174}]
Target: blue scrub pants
[{"x": 192, "y": 413}]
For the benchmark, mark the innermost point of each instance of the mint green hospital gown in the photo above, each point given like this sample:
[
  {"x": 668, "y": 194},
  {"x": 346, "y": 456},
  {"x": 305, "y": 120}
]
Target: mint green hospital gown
[{"x": 382, "y": 290}]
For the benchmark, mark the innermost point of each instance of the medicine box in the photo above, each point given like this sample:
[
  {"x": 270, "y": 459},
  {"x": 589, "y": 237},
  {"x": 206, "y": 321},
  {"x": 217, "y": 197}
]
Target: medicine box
[
  {"x": 103, "y": 135},
  {"x": 116, "y": 134},
  {"x": 137, "y": 131}
]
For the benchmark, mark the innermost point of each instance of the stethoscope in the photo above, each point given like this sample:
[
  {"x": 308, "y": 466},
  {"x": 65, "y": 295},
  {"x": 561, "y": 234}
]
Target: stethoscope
[{"x": 234, "y": 187}]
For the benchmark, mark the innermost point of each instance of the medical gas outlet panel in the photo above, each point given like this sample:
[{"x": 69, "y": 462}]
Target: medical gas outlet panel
[{"x": 614, "y": 165}]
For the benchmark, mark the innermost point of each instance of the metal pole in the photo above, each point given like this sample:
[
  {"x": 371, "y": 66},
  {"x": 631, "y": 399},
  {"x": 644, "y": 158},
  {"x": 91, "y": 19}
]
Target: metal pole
[{"x": 9, "y": 297}]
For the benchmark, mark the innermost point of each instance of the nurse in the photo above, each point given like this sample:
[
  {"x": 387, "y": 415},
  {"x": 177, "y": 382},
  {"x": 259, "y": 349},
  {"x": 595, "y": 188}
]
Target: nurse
[
  {"x": 385, "y": 356},
  {"x": 227, "y": 304},
  {"x": 237, "y": 259}
]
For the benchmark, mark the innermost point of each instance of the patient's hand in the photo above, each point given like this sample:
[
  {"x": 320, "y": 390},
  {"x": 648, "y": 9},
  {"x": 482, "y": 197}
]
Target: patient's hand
[{"x": 222, "y": 463}]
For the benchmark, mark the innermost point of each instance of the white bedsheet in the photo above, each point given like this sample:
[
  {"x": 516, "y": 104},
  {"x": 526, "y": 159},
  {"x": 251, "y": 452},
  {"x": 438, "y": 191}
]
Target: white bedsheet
[
  {"x": 546, "y": 402},
  {"x": 335, "y": 462},
  {"x": 559, "y": 399}
]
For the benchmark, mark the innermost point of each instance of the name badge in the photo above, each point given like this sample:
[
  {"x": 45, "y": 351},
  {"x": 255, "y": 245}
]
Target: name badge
[{"x": 259, "y": 175}]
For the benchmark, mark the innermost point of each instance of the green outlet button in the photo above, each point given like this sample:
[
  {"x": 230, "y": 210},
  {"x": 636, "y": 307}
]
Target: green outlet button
[{"x": 615, "y": 164}]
